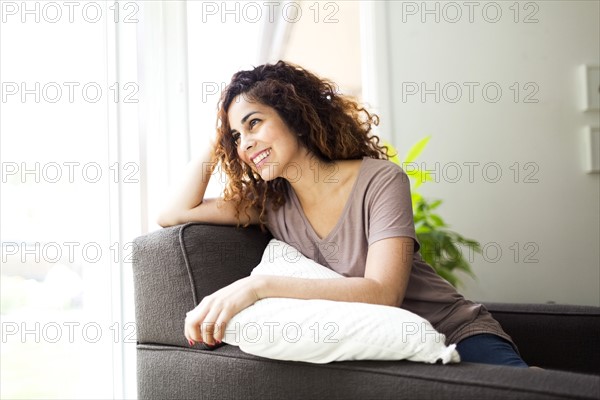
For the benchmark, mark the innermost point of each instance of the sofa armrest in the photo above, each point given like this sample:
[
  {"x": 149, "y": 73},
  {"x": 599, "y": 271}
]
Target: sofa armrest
[
  {"x": 553, "y": 336},
  {"x": 174, "y": 268}
]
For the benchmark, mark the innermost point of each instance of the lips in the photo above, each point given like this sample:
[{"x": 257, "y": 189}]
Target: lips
[{"x": 260, "y": 157}]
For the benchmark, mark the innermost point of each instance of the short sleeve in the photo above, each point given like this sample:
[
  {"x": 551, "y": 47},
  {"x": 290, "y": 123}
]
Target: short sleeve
[{"x": 390, "y": 206}]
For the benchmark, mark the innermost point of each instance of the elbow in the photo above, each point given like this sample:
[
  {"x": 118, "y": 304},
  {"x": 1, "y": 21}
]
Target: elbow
[
  {"x": 397, "y": 301},
  {"x": 387, "y": 296},
  {"x": 396, "y": 296},
  {"x": 391, "y": 296},
  {"x": 166, "y": 220},
  {"x": 162, "y": 222},
  {"x": 392, "y": 300}
]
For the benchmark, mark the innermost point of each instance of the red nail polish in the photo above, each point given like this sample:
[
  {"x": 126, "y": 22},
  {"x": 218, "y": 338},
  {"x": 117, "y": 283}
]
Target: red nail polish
[{"x": 191, "y": 342}]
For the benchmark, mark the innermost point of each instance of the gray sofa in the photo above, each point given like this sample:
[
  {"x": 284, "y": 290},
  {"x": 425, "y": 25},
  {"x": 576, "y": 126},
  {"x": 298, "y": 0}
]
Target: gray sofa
[{"x": 175, "y": 267}]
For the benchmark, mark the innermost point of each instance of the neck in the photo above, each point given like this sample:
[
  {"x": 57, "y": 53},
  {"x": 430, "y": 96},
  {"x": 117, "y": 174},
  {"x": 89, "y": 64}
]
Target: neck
[{"x": 313, "y": 179}]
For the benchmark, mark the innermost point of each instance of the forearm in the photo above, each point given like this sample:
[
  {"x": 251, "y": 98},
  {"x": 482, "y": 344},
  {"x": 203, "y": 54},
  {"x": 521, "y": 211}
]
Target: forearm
[
  {"x": 189, "y": 192},
  {"x": 361, "y": 290}
]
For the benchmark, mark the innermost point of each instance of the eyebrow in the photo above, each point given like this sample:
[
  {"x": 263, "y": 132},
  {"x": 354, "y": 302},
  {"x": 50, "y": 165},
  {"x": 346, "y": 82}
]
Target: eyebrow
[
  {"x": 243, "y": 121},
  {"x": 248, "y": 116}
]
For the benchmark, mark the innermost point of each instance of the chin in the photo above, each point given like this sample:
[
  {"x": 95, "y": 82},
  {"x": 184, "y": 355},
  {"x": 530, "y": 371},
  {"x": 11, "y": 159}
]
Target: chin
[
  {"x": 268, "y": 172},
  {"x": 266, "y": 176}
]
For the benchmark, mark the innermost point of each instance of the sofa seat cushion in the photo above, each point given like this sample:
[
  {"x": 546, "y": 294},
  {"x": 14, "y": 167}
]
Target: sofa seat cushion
[{"x": 168, "y": 372}]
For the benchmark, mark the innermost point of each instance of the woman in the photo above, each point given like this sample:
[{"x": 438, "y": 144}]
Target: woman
[{"x": 301, "y": 161}]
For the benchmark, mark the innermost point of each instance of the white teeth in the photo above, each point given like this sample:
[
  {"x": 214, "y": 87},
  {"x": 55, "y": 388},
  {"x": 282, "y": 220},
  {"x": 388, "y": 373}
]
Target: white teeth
[{"x": 261, "y": 157}]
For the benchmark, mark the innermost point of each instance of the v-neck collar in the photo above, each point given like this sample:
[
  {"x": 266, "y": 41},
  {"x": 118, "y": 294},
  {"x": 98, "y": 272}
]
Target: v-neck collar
[{"x": 342, "y": 217}]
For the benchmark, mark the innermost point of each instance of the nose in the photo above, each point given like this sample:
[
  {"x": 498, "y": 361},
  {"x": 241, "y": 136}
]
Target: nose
[{"x": 246, "y": 142}]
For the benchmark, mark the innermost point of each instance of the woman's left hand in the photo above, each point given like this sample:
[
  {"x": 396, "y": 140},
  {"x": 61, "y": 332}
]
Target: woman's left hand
[{"x": 207, "y": 322}]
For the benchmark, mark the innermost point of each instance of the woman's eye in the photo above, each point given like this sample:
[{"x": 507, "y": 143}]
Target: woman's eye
[
  {"x": 235, "y": 137},
  {"x": 254, "y": 122}
]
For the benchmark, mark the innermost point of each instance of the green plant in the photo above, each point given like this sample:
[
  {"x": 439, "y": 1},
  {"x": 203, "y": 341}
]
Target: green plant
[{"x": 440, "y": 247}]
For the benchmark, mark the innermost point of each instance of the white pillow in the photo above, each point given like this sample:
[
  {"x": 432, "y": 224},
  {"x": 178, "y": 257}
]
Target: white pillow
[{"x": 322, "y": 331}]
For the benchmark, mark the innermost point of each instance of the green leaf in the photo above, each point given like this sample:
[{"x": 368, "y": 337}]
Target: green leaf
[
  {"x": 463, "y": 266},
  {"x": 416, "y": 198},
  {"x": 435, "y": 204},
  {"x": 414, "y": 151},
  {"x": 418, "y": 176},
  {"x": 473, "y": 245},
  {"x": 454, "y": 254},
  {"x": 437, "y": 219}
]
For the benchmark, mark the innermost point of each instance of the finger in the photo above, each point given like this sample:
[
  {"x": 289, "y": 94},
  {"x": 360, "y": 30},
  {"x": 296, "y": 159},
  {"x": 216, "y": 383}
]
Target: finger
[
  {"x": 222, "y": 321},
  {"x": 193, "y": 322},
  {"x": 210, "y": 327},
  {"x": 186, "y": 332}
]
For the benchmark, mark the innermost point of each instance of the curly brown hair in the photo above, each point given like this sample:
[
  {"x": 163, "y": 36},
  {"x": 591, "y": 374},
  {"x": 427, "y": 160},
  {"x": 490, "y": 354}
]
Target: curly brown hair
[{"x": 330, "y": 125}]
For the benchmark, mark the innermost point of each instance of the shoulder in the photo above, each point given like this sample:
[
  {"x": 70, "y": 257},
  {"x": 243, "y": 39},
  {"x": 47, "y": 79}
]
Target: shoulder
[
  {"x": 379, "y": 164},
  {"x": 382, "y": 170},
  {"x": 384, "y": 183}
]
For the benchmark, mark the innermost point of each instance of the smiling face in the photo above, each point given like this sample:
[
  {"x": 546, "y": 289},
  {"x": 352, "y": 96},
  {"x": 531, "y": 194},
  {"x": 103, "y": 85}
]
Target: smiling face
[{"x": 263, "y": 140}]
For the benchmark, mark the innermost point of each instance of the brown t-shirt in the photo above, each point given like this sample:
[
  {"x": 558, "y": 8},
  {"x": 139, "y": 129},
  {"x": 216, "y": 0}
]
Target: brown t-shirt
[{"x": 379, "y": 207}]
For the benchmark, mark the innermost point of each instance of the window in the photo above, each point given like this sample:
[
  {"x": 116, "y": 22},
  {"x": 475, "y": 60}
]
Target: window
[
  {"x": 102, "y": 104},
  {"x": 64, "y": 171}
]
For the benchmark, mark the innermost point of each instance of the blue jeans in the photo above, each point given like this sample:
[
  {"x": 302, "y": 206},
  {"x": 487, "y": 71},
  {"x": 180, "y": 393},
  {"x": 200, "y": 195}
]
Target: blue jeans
[{"x": 486, "y": 348}]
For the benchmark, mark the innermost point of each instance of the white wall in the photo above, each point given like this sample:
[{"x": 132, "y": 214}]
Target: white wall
[{"x": 559, "y": 215}]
